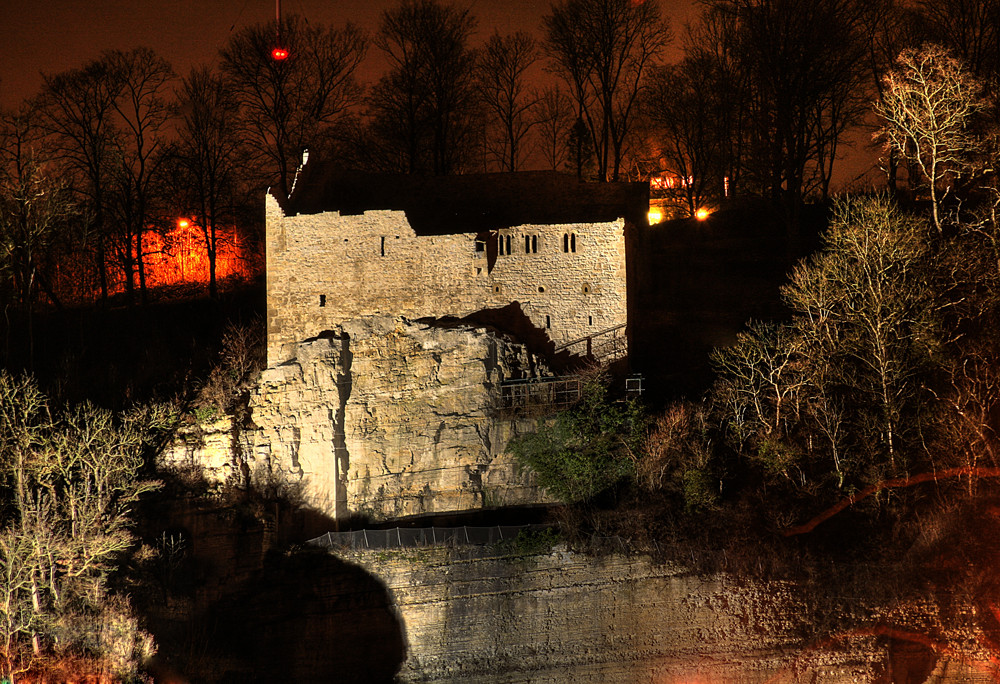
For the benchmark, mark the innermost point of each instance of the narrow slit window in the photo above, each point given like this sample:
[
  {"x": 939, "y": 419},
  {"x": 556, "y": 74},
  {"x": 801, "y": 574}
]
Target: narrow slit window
[
  {"x": 322, "y": 300},
  {"x": 534, "y": 244},
  {"x": 572, "y": 242},
  {"x": 590, "y": 320},
  {"x": 383, "y": 246},
  {"x": 500, "y": 244},
  {"x": 508, "y": 244},
  {"x": 565, "y": 242},
  {"x": 548, "y": 321},
  {"x": 527, "y": 244}
]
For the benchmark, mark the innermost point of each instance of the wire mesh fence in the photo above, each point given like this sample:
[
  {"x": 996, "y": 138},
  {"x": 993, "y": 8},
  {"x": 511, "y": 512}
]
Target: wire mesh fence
[{"x": 409, "y": 537}]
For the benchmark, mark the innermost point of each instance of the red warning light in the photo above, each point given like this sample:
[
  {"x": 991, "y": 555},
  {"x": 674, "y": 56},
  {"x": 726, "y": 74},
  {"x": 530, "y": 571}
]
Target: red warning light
[{"x": 278, "y": 54}]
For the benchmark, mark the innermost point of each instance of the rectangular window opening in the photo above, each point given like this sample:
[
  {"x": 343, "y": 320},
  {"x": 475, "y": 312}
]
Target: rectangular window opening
[
  {"x": 322, "y": 300},
  {"x": 548, "y": 321},
  {"x": 383, "y": 246}
]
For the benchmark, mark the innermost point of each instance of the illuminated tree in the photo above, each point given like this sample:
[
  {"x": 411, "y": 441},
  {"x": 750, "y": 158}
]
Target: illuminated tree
[
  {"x": 604, "y": 49},
  {"x": 290, "y": 105},
  {"x": 70, "y": 481},
  {"x": 868, "y": 321},
  {"x": 929, "y": 108},
  {"x": 422, "y": 107},
  {"x": 501, "y": 80}
]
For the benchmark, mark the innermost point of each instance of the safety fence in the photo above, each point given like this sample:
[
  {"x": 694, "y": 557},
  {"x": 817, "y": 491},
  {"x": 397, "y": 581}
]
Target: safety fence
[
  {"x": 408, "y": 537},
  {"x": 547, "y": 394}
]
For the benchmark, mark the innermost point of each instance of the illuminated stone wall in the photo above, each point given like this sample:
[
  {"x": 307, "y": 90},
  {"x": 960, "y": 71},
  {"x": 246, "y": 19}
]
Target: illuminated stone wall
[
  {"x": 325, "y": 268},
  {"x": 475, "y": 616}
]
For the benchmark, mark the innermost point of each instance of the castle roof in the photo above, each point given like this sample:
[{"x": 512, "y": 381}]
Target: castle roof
[{"x": 467, "y": 203}]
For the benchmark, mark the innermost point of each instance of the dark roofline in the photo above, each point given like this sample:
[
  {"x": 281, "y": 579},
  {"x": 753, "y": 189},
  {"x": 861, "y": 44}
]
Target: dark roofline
[{"x": 467, "y": 203}]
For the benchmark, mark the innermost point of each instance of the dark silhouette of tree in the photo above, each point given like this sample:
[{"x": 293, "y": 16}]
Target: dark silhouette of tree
[
  {"x": 501, "y": 81},
  {"x": 969, "y": 29},
  {"x": 142, "y": 81},
  {"x": 35, "y": 207},
  {"x": 888, "y": 28},
  {"x": 554, "y": 120},
  {"x": 604, "y": 49},
  {"x": 76, "y": 108},
  {"x": 796, "y": 68},
  {"x": 421, "y": 108},
  {"x": 683, "y": 113},
  {"x": 292, "y": 104},
  {"x": 207, "y": 157}
]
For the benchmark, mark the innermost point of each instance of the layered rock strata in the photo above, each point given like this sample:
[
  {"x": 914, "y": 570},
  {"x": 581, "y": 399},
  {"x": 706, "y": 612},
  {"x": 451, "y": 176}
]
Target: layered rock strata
[{"x": 380, "y": 417}]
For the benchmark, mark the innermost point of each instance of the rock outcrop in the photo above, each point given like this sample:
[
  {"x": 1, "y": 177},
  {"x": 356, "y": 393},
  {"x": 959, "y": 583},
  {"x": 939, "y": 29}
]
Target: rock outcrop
[{"x": 381, "y": 417}]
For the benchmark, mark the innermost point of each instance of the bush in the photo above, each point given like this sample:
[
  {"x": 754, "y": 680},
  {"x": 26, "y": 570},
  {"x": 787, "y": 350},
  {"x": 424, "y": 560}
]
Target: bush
[{"x": 586, "y": 450}]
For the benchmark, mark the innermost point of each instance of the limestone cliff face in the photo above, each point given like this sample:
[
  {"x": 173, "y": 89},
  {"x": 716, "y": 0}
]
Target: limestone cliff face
[
  {"x": 383, "y": 417},
  {"x": 567, "y": 617}
]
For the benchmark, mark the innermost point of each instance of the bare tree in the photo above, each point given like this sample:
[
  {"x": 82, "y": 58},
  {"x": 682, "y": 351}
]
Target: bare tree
[
  {"x": 554, "y": 119},
  {"x": 502, "y": 83},
  {"x": 929, "y": 108},
  {"x": 73, "y": 480},
  {"x": 207, "y": 157},
  {"x": 683, "y": 112},
  {"x": 292, "y": 104},
  {"x": 76, "y": 108},
  {"x": 142, "y": 81},
  {"x": 35, "y": 208},
  {"x": 868, "y": 317},
  {"x": 604, "y": 50},
  {"x": 423, "y": 104},
  {"x": 793, "y": 68}
]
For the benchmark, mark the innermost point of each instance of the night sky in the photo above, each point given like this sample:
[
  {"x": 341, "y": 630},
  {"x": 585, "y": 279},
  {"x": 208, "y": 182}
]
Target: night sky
[{"x": 54, "y": 35}]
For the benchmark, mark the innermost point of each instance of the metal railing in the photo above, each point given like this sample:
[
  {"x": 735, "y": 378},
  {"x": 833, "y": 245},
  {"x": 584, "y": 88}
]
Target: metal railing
[
  {"x": 410, "y": 537},
  {"x": 542, "y": 393},
  {"x": 609, "y": 344}
]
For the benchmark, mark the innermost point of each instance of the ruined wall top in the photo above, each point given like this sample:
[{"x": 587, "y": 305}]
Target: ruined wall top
[{"x": 437, "y": 205}]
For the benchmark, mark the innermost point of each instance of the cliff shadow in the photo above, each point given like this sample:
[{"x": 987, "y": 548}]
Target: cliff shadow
[
  {"x": 246, "y": 601},
  {"x": 308, "y": 616}
]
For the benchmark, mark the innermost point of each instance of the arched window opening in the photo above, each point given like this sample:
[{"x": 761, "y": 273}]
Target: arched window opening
[
  {"x": 565, "y": 242},
  {"x": 572, "y": 242}
]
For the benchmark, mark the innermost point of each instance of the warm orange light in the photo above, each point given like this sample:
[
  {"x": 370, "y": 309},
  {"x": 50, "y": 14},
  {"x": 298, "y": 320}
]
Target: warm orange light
[
  {"x": 701, "y": 214},
  {"x": 654, "y": 216},
  {"x": 278, "y": 54},
  {"x": 183, "y": 223}
]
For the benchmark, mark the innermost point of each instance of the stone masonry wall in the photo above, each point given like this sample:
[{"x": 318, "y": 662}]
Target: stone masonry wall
[{"x": 323, "y": 269}]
